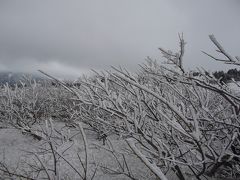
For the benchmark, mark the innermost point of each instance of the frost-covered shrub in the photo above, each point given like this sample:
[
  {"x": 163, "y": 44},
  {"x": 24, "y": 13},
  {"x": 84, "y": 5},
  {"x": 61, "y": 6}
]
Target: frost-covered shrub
[
  {"x": 29, "y": 102},
  {"x": 172, "y": 120}
]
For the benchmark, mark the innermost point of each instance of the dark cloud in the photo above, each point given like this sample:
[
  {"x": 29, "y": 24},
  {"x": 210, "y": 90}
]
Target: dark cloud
[{"x": 79, "y": 34}]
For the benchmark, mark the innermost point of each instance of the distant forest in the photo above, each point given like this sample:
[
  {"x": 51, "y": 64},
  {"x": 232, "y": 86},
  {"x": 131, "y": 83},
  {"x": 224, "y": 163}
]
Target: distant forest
[
  {"x": 228, "y": 76},
  {"x": 225, "y": 76}
]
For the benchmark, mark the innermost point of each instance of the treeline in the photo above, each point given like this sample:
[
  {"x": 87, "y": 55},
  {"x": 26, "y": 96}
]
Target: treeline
[
  {"x": 224, "y": 76},
  {"x": 227, "y": 76}
]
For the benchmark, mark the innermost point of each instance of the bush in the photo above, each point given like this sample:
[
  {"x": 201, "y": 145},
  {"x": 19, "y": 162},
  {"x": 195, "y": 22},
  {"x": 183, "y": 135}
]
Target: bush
[{"x": 172, "y": 120}]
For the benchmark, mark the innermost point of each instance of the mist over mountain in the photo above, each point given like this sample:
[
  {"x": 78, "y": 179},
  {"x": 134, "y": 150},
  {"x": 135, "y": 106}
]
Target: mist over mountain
[{"x": 15, "y": 77}]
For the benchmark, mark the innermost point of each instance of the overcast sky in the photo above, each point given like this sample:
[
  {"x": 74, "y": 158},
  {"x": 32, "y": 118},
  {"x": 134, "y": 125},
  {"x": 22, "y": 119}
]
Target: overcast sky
[{"x": 69, "y": 37}]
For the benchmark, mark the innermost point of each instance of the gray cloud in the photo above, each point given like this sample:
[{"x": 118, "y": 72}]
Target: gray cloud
[{"x": 80, "y": 35}]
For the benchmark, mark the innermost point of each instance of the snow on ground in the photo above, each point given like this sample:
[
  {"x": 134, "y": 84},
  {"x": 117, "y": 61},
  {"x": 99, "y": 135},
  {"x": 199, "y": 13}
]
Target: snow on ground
[{"x": 14, "y": 144}]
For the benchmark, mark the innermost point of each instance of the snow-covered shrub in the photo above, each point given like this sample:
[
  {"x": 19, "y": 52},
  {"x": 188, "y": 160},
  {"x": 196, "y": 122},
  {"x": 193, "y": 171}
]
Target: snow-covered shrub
[
  {"x": 173, "y": 121},
  {"x": 29, "y": 102}
]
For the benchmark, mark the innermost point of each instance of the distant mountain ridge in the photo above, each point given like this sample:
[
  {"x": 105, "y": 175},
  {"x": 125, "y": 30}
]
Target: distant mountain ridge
[{"x": 13, "y": 77}]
